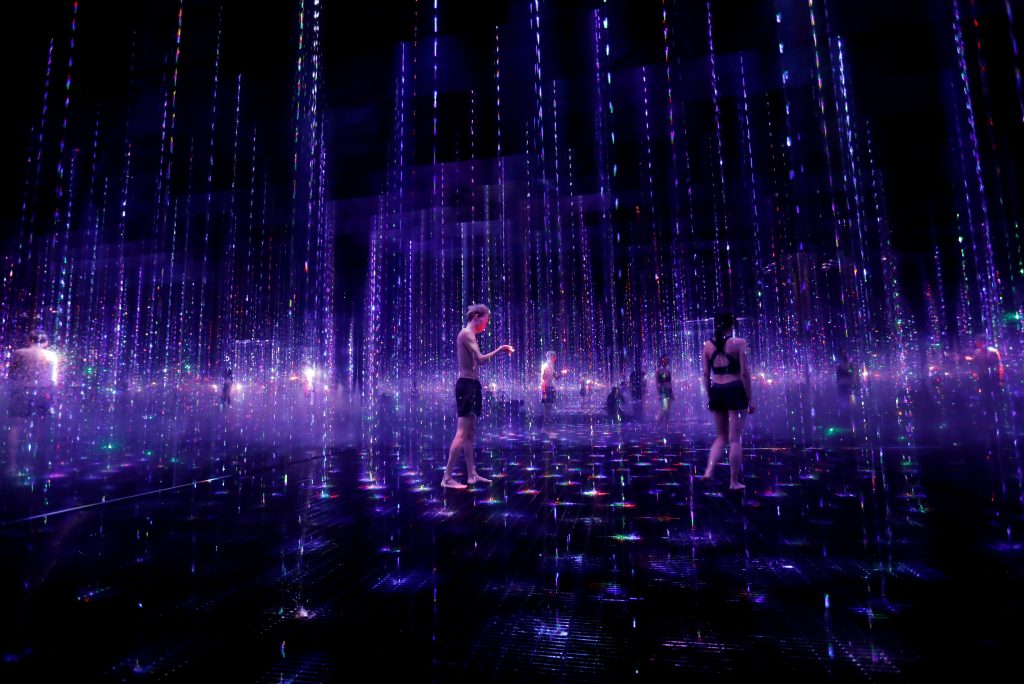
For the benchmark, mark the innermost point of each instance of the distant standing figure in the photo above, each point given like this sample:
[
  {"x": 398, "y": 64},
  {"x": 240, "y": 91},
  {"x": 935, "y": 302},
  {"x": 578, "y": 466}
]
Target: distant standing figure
[
  {"x": 547, "y": 385},
  {"x": 638, "y": 387},
  {"x": 663, "y": 379},
  {"x": 229, "y": 381},
  {"x": 33, "y": 381}
]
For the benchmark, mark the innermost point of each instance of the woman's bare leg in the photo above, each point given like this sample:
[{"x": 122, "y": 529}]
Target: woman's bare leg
[
  {"x": 736, "y": 420},
  {"x": 718, "y": 446}
]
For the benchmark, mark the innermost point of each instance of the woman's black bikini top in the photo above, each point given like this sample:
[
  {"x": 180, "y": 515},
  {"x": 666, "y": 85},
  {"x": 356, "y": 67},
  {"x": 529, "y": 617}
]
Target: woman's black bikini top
[{"x": 731, "y": 368}]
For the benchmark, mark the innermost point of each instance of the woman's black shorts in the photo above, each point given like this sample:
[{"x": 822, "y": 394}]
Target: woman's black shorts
[
  {"x": 469, "y": 397},
  {"x": 729, "y": 396}
]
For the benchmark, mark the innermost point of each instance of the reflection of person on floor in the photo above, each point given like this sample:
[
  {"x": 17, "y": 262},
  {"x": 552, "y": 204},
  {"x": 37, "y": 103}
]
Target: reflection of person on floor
[
  {"x": 469, "y": 394},
  {"x": 547, "y": 386},
  {"x": 225, "y": 394},
  {"x": 726, "y": 378},
  {"x": 33, "y": 379},
  {"x": 663, "y": 379}
]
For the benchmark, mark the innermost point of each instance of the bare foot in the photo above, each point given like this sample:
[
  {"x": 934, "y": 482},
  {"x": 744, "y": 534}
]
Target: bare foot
[
  {"x": 452, "y": 484},
  {"x": 737, "y": 487},
  {"x": 477, "y": 477}
]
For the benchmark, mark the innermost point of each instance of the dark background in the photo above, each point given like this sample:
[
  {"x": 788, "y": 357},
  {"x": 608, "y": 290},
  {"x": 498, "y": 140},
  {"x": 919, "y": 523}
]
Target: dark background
[{"x": 902, "y": 62}]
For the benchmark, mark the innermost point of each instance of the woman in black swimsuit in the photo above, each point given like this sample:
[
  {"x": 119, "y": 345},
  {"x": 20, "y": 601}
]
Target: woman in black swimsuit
[{"x": 726, "y": 379}]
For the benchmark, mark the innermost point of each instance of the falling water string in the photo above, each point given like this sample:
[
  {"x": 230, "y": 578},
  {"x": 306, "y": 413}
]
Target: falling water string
[
  {"x": 604, "y": 129},
  {"x": 62, "y": 186},
  {"x": 118, "y": 360},
  {"x": 981, "y": 245},
  {"x": 96, "y": 296},
  {"x": 151, "y": 329},
  {"x": 652, "y": 348},
  {"x": 898, "y": 327},
  {"x": 228, "y": 328},
  {"x": 786, "y": 241},
  {"x": 838, "y": 215},
  {"x": 997, "y": 188},
  {"x": 674, "y": 264},
  {"x": 1017, "y": 239},
  {"x": 64, "y": 293},
  {"x": 293, "y": 285},
  {"x": 852, "y": 299},
  {"x": 546, "y": 269},
  {"x": 507, "y": 331},
  {"x": 251, "y": 312},
  {"x": 589, "y": 318},
  {"x": 186, "y": 344},
  {"x": 719, "y": 211},
  {"x": 693, "y": 276},
  {"x": 39, "y": 148},
  {"x": 169, "y": 324},
  {"x": 82, "y": 332},
  {"x": 747, "y": 149},
  {"x": 566, "y": 281},
  {"x": 437, "y": 227},
  {"x": 205, "y": 352},
  {"x": 410, "y": 270},
  {"x": 314, "y": 331}
]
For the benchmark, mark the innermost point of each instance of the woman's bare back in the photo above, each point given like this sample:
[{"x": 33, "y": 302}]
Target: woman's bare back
[{"x": 735, "y": 347}]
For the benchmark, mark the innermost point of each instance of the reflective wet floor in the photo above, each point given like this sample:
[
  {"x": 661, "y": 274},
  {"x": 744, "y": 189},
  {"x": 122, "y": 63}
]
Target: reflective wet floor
[{"x": 593, "y": 555}]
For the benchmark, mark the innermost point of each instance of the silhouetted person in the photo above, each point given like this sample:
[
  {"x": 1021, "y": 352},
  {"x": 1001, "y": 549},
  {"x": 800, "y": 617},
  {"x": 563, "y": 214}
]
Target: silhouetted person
[
  {"x": 845, "y": 375},
  {"x": 33, "y": 380},
  {"x": 547, "y": 386},
  {"x": 229, "y": 381},
  {"x": 638, "y": 387},
  {"x": 663, "y": 380},
  {"x": 613, "y": 404},
  {"x": 988, "y": 366},
  {"x": 846, "y": 383},
  {"x": 988, "y": 371}
]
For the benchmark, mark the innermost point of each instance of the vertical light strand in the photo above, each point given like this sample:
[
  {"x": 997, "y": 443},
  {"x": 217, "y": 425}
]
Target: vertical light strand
[
  {"x": 983, "y": 257},
  {"x": 205, "y": 351},
  {"x": 720, "y": 212},
  {"x": 61, "y": 187}
]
